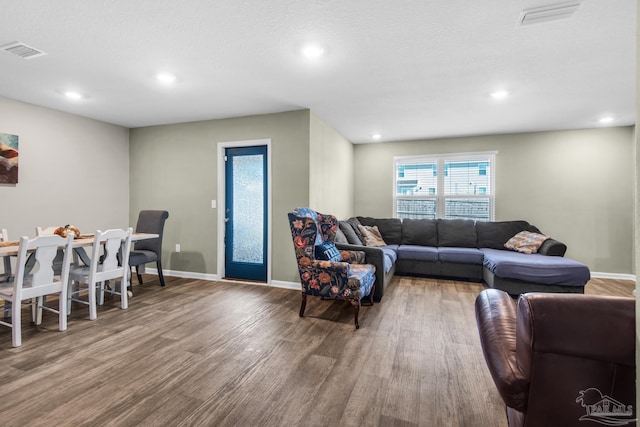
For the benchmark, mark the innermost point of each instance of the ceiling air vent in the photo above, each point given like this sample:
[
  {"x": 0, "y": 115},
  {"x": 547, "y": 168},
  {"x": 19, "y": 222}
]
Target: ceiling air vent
[
  {"x": 552, "y": 12},
  {"x": 22, "y": 50}
]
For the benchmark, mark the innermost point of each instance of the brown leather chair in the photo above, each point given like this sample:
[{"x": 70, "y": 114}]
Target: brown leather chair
[{"x": 560, "y": 359}]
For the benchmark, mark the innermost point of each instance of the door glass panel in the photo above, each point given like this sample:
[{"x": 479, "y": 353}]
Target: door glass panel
[{"x": 247, "y": 201}]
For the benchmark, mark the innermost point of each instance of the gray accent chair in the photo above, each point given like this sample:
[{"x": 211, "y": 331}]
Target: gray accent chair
[{"x": 149, "y": 250}]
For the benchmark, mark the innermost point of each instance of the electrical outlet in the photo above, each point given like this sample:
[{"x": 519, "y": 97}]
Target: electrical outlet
[
  {"x": 213, "y": 204},
  {"x": 177, "y": 247}
]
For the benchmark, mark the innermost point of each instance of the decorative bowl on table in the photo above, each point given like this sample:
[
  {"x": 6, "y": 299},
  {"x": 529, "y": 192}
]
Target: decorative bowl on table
[{"x": 64, "y": 231}]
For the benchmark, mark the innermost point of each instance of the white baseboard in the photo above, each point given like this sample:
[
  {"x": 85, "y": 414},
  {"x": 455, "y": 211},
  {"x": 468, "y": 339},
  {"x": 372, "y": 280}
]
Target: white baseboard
[
  {"x": 214, "y": 277},
  {"x": 296, "y": 285},
  {"x": 182, "y": 274},
  {"x": 286, "y": 285},
  {"x": 615, "y": 276}
]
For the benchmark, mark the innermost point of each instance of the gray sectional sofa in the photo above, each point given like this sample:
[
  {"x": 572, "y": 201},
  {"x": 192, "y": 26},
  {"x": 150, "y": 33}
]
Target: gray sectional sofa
[{"x": 464, "y": 249}]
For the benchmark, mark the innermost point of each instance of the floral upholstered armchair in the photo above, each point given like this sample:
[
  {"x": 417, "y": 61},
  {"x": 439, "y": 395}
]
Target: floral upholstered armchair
[{"x": 325, "y": 271}]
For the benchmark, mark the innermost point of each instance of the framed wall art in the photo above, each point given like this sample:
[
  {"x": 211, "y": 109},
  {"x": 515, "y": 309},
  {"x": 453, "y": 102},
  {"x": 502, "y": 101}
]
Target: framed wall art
[{"x": 8, "y": 158}]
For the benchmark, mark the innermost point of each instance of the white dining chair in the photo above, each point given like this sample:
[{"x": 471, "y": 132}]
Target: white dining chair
[
  {"x": 112, "y": 265},
  {"x": 40, "y": 281}
]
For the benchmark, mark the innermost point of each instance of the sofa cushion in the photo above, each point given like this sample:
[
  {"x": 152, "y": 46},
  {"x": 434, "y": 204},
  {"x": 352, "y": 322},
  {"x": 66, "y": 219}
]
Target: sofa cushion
[
  {"x": 457, "y": 233},
  {"x": 340, "y": 237},
  {"x": 390, "y": 251},
  {"x": 354, "y": 222},
  {"x": 526, "y": 242},
  {"x": 390, "y": 228},
  {"x": 494, "y": 234},
  {"x": 419, "y": 253},
  {"x": 536, "y": 268},
  {"x": 421, "y": 232},
  {"x": 461, "y": 255},
  {"x": 388, "y": 263},
  {"x": 348, "y": 232},
  {"x": 371, "y": 235}
]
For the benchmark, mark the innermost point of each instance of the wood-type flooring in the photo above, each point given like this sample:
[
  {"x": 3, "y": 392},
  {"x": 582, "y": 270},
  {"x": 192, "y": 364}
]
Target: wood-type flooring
[{"x": 202, "y": 353}]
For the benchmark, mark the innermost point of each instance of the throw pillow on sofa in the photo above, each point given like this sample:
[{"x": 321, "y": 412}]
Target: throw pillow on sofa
[
  {"x": 371, "y": 235},
  {"x": 348, "y": 232},
  {"x": 340, "y": 237},
  {"x": 355, "y": 223},
  {"x": 328, "y": 252},
  {"x": 390, "y": 228},
  {"x": 526, "y": 242}
]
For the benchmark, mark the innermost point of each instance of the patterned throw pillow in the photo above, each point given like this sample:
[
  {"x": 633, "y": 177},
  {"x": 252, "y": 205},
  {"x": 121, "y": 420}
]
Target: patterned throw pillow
[
  {"x": 371, "y": 235},
  {"x": 327, "y": 251},
  {"x": 526, "y": 242}
]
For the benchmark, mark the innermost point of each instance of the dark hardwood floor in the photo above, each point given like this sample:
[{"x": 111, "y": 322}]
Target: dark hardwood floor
[{"x": 200, "y": 353}]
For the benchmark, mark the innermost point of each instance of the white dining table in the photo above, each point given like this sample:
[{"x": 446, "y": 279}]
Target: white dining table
[{"x": 85, "y": 240}]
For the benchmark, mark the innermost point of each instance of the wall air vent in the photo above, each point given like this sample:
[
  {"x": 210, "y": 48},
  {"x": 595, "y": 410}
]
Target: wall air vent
[
  {"x": 22, "y": 50},
  {"x": 552, "y": 12}
]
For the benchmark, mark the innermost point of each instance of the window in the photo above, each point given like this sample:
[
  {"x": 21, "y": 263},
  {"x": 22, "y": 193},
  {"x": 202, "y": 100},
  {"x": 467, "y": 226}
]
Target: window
[{"x": 446, "y": 186}]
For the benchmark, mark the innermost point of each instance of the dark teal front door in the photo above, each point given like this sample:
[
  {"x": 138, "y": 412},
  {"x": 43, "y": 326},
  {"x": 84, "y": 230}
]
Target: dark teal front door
[{"x": 246, "y": 213}]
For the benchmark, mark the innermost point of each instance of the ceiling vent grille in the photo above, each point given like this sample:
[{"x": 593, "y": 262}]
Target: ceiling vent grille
[
  {"x": 22, "y": 50},
  {"x": 552, "y": 12}
]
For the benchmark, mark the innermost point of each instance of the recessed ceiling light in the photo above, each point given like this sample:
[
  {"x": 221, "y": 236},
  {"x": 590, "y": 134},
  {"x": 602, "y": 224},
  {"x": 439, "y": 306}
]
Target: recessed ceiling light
[
  {"x": 376, "y": 136},
  {"x": 605, "y": 120},
  {"x": 312, "y": 51},
  {"x": 166, "y": 78},
  {"x": 73, "y": 95},
  {"x": 499, "y": 94}
]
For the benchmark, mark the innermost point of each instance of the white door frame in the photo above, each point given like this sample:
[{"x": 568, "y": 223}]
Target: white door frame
[{"x": 222, "y": 146}]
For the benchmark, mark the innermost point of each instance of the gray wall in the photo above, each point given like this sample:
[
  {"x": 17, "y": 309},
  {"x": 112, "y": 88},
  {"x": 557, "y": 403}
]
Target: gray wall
[
  {"x": 73, "y": 170},
  {"x": 637, "y": 200},
  {"x": 331, "y": 170},
  {"x": 174, "y": 167},
  {"x": 576, "y": 186}
]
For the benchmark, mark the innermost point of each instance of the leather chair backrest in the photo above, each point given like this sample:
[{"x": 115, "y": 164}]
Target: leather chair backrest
[{"x": 568, "y": 345}]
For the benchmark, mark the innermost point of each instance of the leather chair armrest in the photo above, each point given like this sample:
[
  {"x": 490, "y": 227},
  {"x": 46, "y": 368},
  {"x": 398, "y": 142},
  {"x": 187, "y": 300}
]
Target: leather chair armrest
[{"x": 496, "y": 319}]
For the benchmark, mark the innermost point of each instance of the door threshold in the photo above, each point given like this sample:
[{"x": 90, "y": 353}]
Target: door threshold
[{"x": 235, "y": 279}]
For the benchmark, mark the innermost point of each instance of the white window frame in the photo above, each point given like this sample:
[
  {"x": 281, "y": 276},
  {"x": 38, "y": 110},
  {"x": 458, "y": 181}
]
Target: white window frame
[{"x": 440, "y": 195}]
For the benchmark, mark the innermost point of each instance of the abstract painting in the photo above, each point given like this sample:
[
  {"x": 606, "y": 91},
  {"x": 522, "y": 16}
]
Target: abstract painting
[{"x": 8, "y": 158}]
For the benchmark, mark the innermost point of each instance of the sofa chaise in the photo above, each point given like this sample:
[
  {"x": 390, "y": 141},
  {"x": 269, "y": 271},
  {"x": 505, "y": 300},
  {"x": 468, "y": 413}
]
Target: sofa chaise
[{"x": 463, "y": 249}]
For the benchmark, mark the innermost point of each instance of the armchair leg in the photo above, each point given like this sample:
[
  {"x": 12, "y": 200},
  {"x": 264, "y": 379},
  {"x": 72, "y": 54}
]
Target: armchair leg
[
  {"x": 356, "y": 306},
  {"x": 303, "y": 305},
  {"x": 373, "y": 289},
  {"x": 139, "y": 276}
]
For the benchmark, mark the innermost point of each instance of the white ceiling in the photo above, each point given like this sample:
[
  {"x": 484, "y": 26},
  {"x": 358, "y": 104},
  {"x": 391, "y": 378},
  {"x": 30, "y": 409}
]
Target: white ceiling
[{"x": 406, "y": 69}]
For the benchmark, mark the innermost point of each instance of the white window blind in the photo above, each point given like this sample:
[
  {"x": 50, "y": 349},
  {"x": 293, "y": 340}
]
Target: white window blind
[{"x": 445, "y": 186}]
